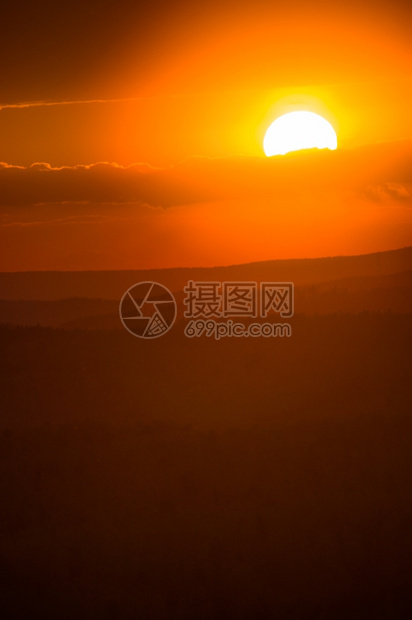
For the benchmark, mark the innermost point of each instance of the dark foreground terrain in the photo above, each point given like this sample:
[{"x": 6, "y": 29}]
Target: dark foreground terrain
[{"x": 195, "y": 479}]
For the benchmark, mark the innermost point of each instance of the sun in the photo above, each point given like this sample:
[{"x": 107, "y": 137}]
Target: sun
[{"x": 299, "y": 130}]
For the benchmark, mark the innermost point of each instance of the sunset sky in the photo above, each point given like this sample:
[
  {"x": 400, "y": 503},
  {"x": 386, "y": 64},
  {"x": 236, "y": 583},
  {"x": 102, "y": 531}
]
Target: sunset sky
[{"x": 131, "y": 135}]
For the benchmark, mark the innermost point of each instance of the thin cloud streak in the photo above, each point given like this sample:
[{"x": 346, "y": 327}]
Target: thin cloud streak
[{"x": 46, "y": 104}]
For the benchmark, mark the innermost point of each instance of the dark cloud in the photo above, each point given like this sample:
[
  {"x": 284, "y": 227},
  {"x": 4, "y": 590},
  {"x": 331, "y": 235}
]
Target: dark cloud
[
  {"x": 396, "y": 191},
  {"x": 376, "y": 172}
]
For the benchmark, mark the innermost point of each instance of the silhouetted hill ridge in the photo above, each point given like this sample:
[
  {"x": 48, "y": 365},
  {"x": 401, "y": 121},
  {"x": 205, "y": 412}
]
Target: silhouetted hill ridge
[
  {"x": 388, "y": 293},
  {"x": 52, "y": 285}
]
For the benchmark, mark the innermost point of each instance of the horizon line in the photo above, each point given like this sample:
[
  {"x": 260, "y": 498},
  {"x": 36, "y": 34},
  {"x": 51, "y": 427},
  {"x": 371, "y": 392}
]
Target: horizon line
[{"x": 270, "y": 260}]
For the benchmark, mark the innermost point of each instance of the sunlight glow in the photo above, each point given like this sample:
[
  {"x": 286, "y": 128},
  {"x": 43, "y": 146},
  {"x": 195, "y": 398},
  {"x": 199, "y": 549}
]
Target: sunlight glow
[{"x": 299, "y": 130}]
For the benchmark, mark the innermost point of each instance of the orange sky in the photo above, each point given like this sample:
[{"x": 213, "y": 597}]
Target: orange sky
[{"x": 200, "y": 82}]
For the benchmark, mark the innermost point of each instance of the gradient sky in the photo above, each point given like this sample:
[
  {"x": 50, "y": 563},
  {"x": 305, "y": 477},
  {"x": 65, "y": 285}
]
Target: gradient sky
[{"x": 187, "y": 92}]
